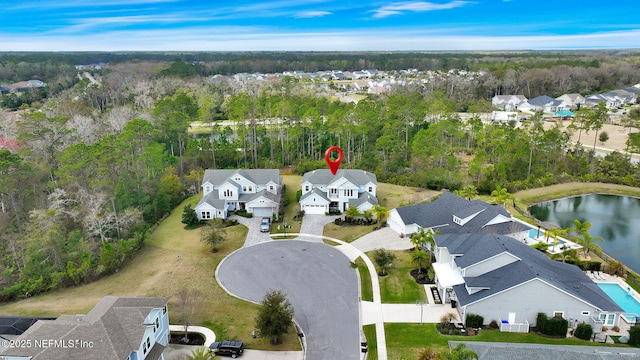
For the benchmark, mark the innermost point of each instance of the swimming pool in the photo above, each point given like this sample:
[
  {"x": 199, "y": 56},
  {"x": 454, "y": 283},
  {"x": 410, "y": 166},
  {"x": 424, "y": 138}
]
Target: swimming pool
[
  {"x": 627, "y": 302},
  {"x": 534, "y": 232}
]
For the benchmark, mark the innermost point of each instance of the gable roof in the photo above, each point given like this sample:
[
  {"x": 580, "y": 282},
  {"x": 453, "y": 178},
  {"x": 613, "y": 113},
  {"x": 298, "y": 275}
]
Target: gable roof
[
  {"x": 544, "y": 100},
  {"x": 363, "y": 198},
  {"x": 314, "y": 191},
  {"x": 115, "y": 326},
  {"x": 257, "y": 176},
  {"x": 321, "y": 177},
  {"x": 212, "y": 199},
  {"x": 439, "y": 214},
  {"x": 531, "y": 264}
]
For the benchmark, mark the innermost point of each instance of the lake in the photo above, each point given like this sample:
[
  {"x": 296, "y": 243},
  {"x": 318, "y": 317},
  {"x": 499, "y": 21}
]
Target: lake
[{"x": 615, "y": 218}]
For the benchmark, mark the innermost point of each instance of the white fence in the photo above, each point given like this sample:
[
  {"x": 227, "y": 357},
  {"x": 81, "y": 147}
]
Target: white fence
[{"x": 516, "y": 327}]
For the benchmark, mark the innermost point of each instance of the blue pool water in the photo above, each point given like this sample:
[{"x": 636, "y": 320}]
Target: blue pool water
[
  {"x": 534, "y": 232},
  {"x": 620, "y": 296}
]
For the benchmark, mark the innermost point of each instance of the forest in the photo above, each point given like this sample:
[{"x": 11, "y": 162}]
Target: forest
[{"x": 92, "y": 166}]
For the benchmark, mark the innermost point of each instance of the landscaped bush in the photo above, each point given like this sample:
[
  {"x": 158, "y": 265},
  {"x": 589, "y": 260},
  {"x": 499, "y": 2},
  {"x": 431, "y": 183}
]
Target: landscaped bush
[
  {"x": 541, "y": 246},
  {"x": 474, "y": 321},
  {"x": 583, "y": 331},
  {"x": 493, "y": 324},
  {"x": 244, "y": 213},
  {"x": 556, "y": 326},
  {"x": 634, "y": 336},
  {"x": 298, "y": 195}
]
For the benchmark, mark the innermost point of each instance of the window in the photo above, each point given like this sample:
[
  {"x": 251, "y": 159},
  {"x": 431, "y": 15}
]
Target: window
[
  {"x": 250, "y": 188},
  {"x": 244, "y": 188},
  {"x": 348, "y": 193},
  {"x": 607, "y": 319},
  {"x": 206, "y": 215},
  {"x": 558, "y": 314},
  {"x": 144, "y": 348},
  {"x": 306, "y": 188},
  {"x": 370, "y": 189},
  {"x": 586, "y": 313},
  {"x": 271, "y": 187},
  {"x": 164, "y": 310}
]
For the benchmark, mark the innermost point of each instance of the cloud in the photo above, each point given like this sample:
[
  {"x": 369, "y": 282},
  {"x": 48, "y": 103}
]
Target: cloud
[
  {"x": 242, "y": 38},
  {"x": 414, "y": 6},
  {"x": 312, "y": 14}
]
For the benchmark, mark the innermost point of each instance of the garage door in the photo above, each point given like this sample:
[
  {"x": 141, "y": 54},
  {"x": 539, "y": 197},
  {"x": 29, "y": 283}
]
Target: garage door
[
  {"x": 262, "y": 212},
  {"x": 314, "y": 209}
]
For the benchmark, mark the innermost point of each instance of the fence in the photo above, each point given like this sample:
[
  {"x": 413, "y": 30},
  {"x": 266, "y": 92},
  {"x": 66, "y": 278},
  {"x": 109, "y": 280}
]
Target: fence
[{"x": 515, "y": 328}]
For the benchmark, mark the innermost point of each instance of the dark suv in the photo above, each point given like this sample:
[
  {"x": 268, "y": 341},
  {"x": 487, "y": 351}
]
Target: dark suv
[{"x": 233, "y": 348}]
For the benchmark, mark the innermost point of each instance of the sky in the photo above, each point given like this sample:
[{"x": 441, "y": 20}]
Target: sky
[{"x": 317, "y": 25}]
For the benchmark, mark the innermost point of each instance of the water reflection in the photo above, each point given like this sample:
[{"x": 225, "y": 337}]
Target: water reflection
[{"x": 615, "y": 218}]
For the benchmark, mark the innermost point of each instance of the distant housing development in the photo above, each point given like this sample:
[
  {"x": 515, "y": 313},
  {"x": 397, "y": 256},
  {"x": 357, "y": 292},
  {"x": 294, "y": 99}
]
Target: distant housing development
[
  {"x": 257, "y": 191},
  {"x": 323, "y": 192}
]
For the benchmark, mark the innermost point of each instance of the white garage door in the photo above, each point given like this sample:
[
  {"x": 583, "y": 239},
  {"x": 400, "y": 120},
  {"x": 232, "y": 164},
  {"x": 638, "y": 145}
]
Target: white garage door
[
  {"x": 264, "y": 211},
  {"x": 314, "y": 209}
]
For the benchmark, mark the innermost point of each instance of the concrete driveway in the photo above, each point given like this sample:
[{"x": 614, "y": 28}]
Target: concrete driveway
[
  {"x": 320, "y": 284},
  {"x": 254, "y": 236},
  {"x": 314, "y": 224},
  {"x": 384, "y": 238}
]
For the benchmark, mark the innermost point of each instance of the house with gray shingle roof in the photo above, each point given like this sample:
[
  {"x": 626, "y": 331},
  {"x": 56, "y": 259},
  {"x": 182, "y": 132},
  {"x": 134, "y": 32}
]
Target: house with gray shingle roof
[
  {"x": 450, "y": 213},
  {"x": 544, "y": 104},
  {"x": 322, "y": 191},
  {"x": 257, "y": 191},
  {"x": 116, "y": 328},
  {"x": 502, "y": 279}
]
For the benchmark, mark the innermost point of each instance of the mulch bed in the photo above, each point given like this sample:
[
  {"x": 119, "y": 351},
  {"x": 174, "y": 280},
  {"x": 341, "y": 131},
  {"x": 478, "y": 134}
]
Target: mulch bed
[
  {"x": 424, "y": 279},
  {"x": 194, "y": 339}
]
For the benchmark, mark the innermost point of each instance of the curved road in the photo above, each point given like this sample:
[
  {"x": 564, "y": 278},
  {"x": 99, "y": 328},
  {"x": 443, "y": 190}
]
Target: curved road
[{"x": 319, "y": 282}]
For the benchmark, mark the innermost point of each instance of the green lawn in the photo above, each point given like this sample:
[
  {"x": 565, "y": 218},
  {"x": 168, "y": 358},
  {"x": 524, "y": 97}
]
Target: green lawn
[
  {"x": 404, "y": 341},
  {"x": 292, "y": 183},
  {"x": 347, "y": 233},
  {"x": 399, "y": 287},
  {"x": 365, "y": 280},
  {"x": 370, "y": 334}
]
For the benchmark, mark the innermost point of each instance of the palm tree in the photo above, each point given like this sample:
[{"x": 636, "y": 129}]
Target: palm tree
[
  {"x": 461, "y": 352},
  {"x": 502, "y": 195},
  {"x": 200, "y": 353},
  {"x": 428, "y": 354},
  {"x": 587, "y": 241},
  {"x": 352, "y": 212},
  {"x": 423, "y": 238},
  {"x": 469, "y": 192},
  {"x": 566, "y": 254},
  {"x": 420, "y": 259},
  {"x": 379, "y": 213}
]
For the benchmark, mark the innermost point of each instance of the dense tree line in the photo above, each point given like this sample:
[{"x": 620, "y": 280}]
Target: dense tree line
[{"x": 97, "y": 164}]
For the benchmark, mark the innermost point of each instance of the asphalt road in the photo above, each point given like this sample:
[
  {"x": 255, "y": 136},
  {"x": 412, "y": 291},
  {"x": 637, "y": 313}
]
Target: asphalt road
[{"x": 319, "y": 282}]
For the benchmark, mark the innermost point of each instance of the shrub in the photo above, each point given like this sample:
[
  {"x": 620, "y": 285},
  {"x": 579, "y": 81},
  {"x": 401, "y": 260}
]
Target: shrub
[
  {"x": 634, "y": 336},
  {"x": 189, "y": 216},
  {"x": 493, "y": 324},
  {"x": 615, "y": 328},
  {"x": 338, "y": 221},
  {"x": 541, "y": 246},
  {"x": 244, "y": 213},
  {"x": 298, "y": 195},
  {"x": 583, "y": 331},
  {"x": 474, "y": 321},
  {"x": 556, "y": 326}
]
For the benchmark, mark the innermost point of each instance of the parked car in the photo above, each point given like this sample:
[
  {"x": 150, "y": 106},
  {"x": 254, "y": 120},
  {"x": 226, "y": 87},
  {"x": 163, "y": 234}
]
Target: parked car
[
  {"x": 233, "y": 348},
  {"x": 265, "y": 224}
]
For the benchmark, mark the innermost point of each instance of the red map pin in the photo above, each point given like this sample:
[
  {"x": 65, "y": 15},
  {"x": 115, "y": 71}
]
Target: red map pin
[{"x": 333, "y": 165}]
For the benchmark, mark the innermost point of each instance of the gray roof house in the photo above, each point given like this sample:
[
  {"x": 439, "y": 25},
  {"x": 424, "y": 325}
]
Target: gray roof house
[
  {"x": 502, "y": 279},
  {"x": 450, "y": 213},
  {"x": 255, "y": 190},
  {"x": 116, "y": 328},
  {"x": 322, "y": 191},
  {"x": 545, "y": 104}
]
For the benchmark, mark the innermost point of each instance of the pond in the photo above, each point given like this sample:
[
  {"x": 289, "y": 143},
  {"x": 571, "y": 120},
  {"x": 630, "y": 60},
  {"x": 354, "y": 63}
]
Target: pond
[{"x": 615, "y": 218}]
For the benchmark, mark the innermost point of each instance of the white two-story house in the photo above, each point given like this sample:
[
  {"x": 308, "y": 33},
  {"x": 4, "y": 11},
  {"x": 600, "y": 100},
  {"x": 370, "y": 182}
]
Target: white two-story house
[
  {"x": 255, "y": 190},
  {"x": 323, "y": 191}
]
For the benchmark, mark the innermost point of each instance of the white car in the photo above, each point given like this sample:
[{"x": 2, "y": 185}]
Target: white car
[{"x": 265, "y": 224}]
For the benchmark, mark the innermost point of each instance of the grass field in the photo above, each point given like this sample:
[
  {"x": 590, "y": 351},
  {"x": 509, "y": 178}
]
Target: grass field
[
  {"x": 399, "y": 287},
  {"x": 172, "y": 258},
  {"x": 404, "y": 341}
]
